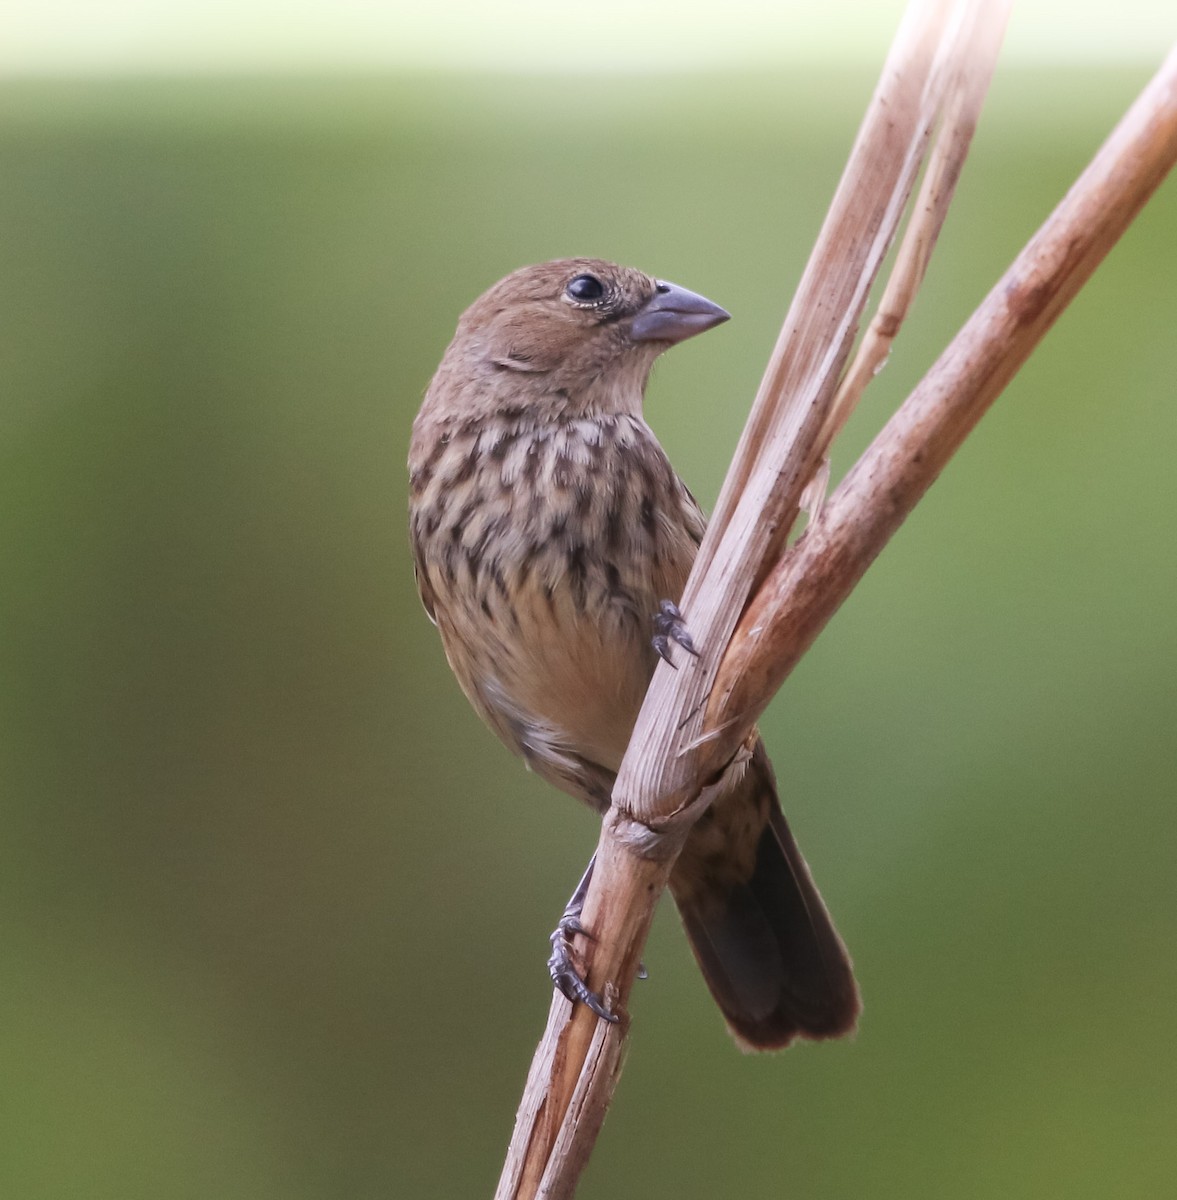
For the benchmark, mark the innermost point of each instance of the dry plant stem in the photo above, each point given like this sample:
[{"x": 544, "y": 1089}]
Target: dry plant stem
[
  {"x": 807, "y": 587},
  {"x": 525, "y": 1174},
  {"x": 781, "y": 448},
  {"x": 578, "y": 1061},
  {"x": 951, "y": 147},
  {"x": 811, "y": 582}
]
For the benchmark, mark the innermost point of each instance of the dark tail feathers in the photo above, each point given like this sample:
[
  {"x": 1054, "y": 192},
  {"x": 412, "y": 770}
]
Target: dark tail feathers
[{"x": 766, "y": 944}]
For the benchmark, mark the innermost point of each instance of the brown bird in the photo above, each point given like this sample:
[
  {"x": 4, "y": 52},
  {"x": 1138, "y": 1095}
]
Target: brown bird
[{"x": 551, "y": 540}]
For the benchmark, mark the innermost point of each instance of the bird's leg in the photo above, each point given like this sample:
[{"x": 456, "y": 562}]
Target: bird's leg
[
  {"x": 669, "y": 626},
  {"x": 560, "y": 966}
]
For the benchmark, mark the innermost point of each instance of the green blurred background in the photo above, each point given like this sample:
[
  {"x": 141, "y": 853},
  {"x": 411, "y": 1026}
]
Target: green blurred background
[{"x": 273, "y": 905}]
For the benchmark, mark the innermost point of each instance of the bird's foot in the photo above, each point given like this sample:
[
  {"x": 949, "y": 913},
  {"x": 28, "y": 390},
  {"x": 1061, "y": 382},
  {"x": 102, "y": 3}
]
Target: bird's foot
[
  {"x": 565, "y": 974},
  {"x": 563, "y": 970},
  {"x": 669, "y": 626}
]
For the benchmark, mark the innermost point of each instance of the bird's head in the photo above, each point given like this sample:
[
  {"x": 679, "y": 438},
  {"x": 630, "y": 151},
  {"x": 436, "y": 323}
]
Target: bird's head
[{"x": 578, "y": 335}]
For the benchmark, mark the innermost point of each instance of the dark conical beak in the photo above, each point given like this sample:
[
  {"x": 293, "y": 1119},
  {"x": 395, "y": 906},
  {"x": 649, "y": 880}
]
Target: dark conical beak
[{"x": 673, "y": 314}]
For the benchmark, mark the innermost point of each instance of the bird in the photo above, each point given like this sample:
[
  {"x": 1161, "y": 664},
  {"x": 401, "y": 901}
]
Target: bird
[{"x": 551, "y": 541}]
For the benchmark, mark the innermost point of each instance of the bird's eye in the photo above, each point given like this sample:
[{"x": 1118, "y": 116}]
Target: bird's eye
[{"x": 585, "y": 289}]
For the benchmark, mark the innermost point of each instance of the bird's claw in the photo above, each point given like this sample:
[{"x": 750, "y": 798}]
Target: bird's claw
[
  {"x": 561, "y": 966},
  {"x": 669, "y": 626},
  {"x": 563, "y": 970}
]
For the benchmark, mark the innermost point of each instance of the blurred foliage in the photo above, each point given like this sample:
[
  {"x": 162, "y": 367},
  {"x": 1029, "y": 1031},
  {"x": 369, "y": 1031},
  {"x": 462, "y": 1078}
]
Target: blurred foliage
[{"x": 273, "y": 905}]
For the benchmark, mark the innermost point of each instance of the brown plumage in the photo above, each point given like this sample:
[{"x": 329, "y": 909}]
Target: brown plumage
[{"x": 547, "y": 527}]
